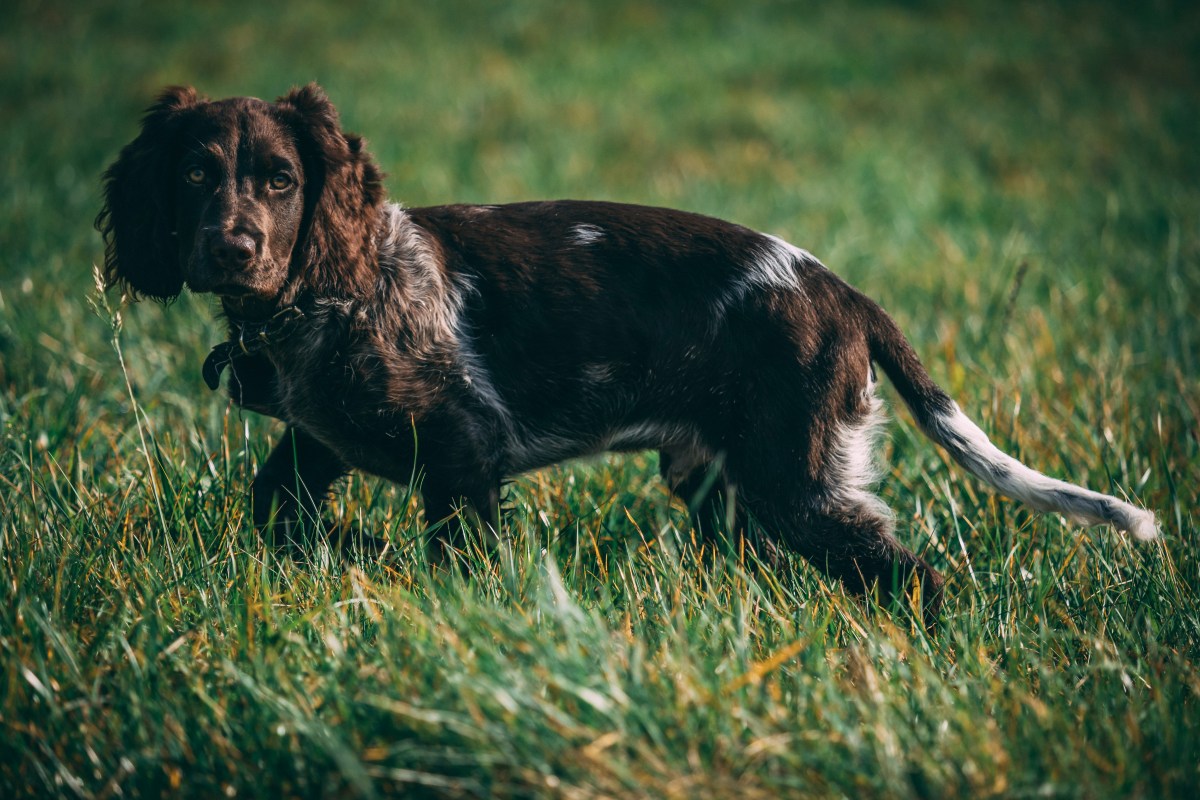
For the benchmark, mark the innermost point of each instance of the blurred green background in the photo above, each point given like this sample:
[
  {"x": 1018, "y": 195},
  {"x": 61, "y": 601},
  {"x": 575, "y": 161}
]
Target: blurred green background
[
  {"x": 918, "y": 147},
  {"x": 1018, "y": 183}
]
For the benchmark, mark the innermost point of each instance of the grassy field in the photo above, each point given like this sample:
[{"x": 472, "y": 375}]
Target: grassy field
[{"x": 1019, "y": 183}]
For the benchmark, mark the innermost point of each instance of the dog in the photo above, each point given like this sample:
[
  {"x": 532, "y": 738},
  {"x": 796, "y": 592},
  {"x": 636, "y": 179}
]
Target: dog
[{"x": 472, "y": 343}]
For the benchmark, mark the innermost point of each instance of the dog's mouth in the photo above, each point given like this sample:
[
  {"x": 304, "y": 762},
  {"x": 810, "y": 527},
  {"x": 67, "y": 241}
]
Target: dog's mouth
[
  {"x": 248, "y": 304},
  {"x": 229, "y": 285},
  {"x": 232, "y": 291},
  {"x": 206, "y": 280}
]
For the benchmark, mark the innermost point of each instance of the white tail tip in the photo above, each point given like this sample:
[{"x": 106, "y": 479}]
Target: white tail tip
[
  {"x": 970, "y": 447},
  {"x": 1142, "y": 525}
]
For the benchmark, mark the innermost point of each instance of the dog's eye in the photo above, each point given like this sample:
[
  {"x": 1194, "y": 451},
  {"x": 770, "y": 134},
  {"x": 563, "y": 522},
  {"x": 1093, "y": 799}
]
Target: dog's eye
[
  {"x": 195, "y": 176},
  {"x": 280, "y": 181}
]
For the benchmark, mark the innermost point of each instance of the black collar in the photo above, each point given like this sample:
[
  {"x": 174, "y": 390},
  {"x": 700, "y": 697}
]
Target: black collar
[{"x": 251, "y": 337}]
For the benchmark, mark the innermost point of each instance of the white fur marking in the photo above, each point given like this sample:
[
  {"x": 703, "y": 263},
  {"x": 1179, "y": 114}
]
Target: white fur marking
[
  {"x": 584, "y": 234},
  {"x": 598, "y": 372},
  {"x": 772, "y": 267},
  {"x": 434, "y": 302},
  {"x": 534, "y": 449},
  {"x": 645, "y": 436},
  {"x": 855, "y": 466},
  {"x": 477, "y": 377},
  {"x": 971, "y": 447}
]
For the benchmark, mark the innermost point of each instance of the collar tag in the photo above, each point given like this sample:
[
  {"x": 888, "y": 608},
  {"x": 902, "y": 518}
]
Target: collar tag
[{"x": 252, "y": 337}]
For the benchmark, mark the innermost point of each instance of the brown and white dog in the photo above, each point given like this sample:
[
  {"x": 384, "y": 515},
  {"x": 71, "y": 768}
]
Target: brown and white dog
[{"x": 474, "y": 343}]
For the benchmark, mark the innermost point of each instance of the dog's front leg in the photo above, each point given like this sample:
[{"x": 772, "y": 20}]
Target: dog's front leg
[
  {"x": 253, "y": 384},
  {"x": 448, "y": 512},
  {"x": 288, "y": 491}
]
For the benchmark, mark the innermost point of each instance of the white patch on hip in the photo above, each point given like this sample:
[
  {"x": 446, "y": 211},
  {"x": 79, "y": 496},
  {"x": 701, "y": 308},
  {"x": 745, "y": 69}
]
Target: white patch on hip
[
  {"x": 772, "y": 266},
  {"x": 775, "y": 267},
  {"x": 854, "y": 464}
]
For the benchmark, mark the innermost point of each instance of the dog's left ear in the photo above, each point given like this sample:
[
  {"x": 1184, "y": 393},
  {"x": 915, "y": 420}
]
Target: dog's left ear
[
  {"x": 140, "y": 250},
  {"x": 343, "y": 195}
]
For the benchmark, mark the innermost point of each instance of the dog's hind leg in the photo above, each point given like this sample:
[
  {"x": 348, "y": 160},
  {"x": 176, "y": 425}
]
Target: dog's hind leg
[
  {"x": 807, "y": 480},
  {"x": 701, "y": 482},
  {"x": 852, "y": 542}
]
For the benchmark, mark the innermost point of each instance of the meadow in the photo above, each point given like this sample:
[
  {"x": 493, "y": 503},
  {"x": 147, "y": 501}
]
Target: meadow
[{"x": 1018, "y": 183}]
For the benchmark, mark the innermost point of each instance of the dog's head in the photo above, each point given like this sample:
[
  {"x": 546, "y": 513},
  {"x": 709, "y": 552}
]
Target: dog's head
[{"x": 246, "y": 199}]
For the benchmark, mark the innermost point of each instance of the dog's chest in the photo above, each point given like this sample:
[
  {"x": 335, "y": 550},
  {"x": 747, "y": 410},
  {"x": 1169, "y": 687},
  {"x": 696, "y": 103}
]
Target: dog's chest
[{"x": 360, "y": 393}]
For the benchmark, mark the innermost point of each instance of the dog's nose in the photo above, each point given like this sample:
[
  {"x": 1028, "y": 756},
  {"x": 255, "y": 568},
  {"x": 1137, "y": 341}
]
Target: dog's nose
[{"x": 234, "y": 249}]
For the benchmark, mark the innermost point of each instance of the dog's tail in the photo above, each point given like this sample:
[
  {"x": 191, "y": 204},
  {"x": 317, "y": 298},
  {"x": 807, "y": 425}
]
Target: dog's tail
[{"x": 943, "y": 421}]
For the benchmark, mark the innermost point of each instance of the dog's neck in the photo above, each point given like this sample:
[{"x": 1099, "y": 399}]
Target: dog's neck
[
  {"x": 399, "y": 252},
  {"x": 249, "y": 310},
  {"x": 247, "y": 338},
  {"x": 410, "y": 279}
]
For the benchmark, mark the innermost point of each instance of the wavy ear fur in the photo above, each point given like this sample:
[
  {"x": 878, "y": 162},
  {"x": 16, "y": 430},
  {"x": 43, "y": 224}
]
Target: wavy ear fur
[
  {"x": 343, "y": 194},
  {"x": 136, "y": 223}
]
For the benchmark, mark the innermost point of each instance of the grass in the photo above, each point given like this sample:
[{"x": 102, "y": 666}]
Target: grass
[{"x": 1018, "y": 183}]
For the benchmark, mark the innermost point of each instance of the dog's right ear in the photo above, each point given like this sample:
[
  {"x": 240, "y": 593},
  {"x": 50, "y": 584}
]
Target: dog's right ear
[{"x": 140, "y": 250}]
